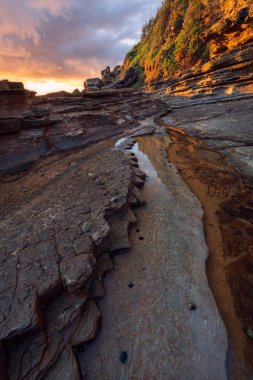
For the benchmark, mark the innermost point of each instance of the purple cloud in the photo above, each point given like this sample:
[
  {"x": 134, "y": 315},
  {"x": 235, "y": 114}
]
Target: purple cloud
[{"x": 68, "y": 38}]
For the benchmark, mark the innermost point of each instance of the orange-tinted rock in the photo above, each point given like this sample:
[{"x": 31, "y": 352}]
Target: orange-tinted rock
[{"x": 196, "y": 47}]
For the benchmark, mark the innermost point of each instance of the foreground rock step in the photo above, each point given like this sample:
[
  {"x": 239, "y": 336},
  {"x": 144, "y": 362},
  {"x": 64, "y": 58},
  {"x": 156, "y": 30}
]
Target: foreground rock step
[
  {"x": 64, "y": 121},
  {"x": 56, "y": 249}
]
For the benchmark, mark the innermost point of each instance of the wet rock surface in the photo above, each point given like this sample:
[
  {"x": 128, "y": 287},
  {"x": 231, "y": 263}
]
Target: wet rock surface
[
  {"x": 51, "y": 250},
  {"x": 212, "y": 148},
  {"x": 149, "y": 331},
  {"x": 64, "y": 220}
]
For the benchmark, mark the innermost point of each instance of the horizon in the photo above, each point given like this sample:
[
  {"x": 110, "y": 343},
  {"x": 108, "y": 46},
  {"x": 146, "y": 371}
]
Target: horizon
[{"x": 57, "y": 46}]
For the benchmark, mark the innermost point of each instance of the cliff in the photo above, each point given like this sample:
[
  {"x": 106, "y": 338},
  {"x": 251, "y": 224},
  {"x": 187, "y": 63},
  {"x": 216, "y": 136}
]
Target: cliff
[{"x": 195, "y": 46}]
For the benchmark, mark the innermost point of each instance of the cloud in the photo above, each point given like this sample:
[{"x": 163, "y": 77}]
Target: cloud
[{"x": 64, "y": 39}]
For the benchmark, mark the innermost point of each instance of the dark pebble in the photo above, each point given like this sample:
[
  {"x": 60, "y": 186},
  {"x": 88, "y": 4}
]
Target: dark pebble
[
  {"x": 80, "y": 349},
  {"x": 141, "y": 238},
  {"x": 192, "y": 306},
  {"x": 130, "y": 285},
  {"x": 123, "y": 357}
]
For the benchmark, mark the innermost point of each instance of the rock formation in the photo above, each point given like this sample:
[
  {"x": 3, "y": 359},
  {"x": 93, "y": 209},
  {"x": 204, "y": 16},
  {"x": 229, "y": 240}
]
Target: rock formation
[
  {"x": 116, "y": 79},
  {"x": 65, "y": 212},
  {"x": 93, "y": 84},
  {"x": 192, "y": 47},
  {"x": 76, "y": 92},
  {"x": 61, "y": 121},
  {"x": 55, "y": 251},
  {"x": 13, "y": 98}
]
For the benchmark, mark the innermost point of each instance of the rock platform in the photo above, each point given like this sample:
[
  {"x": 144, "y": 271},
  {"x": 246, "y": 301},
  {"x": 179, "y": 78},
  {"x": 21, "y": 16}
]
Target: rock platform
[{"x": 55, "y": 249}]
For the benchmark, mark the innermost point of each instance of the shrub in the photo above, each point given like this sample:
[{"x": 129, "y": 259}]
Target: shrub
[{"x": 171, "y": 41}]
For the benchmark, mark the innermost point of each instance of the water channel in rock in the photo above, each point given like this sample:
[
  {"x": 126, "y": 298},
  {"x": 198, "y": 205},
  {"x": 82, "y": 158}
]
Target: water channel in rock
[{"x": 158, "y": 309}]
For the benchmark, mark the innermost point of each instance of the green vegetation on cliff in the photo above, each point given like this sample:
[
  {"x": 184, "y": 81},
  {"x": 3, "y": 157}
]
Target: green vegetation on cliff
[{"x": 171, "y": 41}]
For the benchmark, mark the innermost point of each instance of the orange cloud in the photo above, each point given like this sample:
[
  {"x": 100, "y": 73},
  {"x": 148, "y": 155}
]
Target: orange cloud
[{"x": 64, "y": 41}]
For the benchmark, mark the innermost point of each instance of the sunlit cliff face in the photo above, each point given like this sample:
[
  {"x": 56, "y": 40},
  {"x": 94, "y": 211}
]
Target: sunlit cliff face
[{"x": 54, "y": 45}]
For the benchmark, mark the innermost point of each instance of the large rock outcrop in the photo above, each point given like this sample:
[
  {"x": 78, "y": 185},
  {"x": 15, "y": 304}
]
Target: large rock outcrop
[
  {"x": 196, "y": 46},
  {"x": 116, "y": 79},
  {"x": 55, "y": 249},
  {"x": 228, "y": 73},
  {"x": 92, "y": 84},
  {"x": 63, "y": 121},
  {"x": 13, "y": 98}
]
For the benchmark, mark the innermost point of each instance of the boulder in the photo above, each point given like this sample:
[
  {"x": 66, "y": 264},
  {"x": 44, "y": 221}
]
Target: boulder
[
  {"x": 93, "y": 84},
  {"x": 76, "y": 92},
  {"x": 106, "y": 75},
  {"x": 6, "y": 85},
  {"x": 13, "y": 98},
  {"x": 130, "y": 78}
]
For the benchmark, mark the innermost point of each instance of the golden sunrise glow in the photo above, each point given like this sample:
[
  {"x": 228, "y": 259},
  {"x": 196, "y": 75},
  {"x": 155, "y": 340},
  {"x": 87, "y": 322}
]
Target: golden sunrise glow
[
  {"x": 51, "y": 85},
  {"x": 54, "y": 45}
]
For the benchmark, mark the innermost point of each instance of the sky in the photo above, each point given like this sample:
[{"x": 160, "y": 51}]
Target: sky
[{"x": 53, "y": 45}]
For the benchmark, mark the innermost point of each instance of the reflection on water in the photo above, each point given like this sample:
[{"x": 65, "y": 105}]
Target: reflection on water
[
  {"x": 152, "y": 321},
  {"x": 121, "y": 141},
  {"x": 145, "y": 162}
]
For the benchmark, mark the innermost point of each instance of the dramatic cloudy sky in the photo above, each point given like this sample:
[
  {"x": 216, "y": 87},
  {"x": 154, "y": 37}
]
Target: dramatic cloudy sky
[{"x": 56, "y": 44}]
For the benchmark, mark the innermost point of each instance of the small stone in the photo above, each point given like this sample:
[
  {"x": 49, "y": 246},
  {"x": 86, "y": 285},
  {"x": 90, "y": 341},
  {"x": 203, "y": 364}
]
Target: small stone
[
  {"x": 130, "y": 285},
  {"x": 86, "y": 227},
  {"x": 250, "y": 333},
  {"x": 192, "y": 307},
  {"x": 123, "y": 357},
  {"x": 115, "y": 199},
  {"x": 80, "y": 349},
  {"x": 82, "y": 373}
]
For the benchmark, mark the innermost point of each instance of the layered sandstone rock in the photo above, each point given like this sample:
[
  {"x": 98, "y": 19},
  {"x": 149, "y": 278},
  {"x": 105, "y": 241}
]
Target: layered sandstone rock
[
  {"x": 191, "y": 47},
  {"x": 56, "y": 248},
  {"x": 228, "y": 73},
  {"x": 62, "y": 121},
  {"x": 196, "y": 47}
]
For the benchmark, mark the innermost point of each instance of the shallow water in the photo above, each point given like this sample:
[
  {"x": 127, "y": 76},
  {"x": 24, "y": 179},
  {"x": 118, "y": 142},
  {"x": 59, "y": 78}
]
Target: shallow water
[
  {"x": 120, "y": 141},
  {"x": 152, "y": 321}
]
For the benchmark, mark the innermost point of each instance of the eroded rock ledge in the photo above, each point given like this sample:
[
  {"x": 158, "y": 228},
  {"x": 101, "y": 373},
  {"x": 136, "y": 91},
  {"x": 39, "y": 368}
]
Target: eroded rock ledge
[
  {"x": 60, "y": 122},
  {"x": 56, "y": 248}
]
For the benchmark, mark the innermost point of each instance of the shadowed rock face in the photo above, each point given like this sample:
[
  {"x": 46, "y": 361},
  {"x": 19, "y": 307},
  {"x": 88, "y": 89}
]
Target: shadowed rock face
[
  {"x": 53, "y": 123},
  {"x": 13, "y": 99},
  {"x": 55, "y": 249}
]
